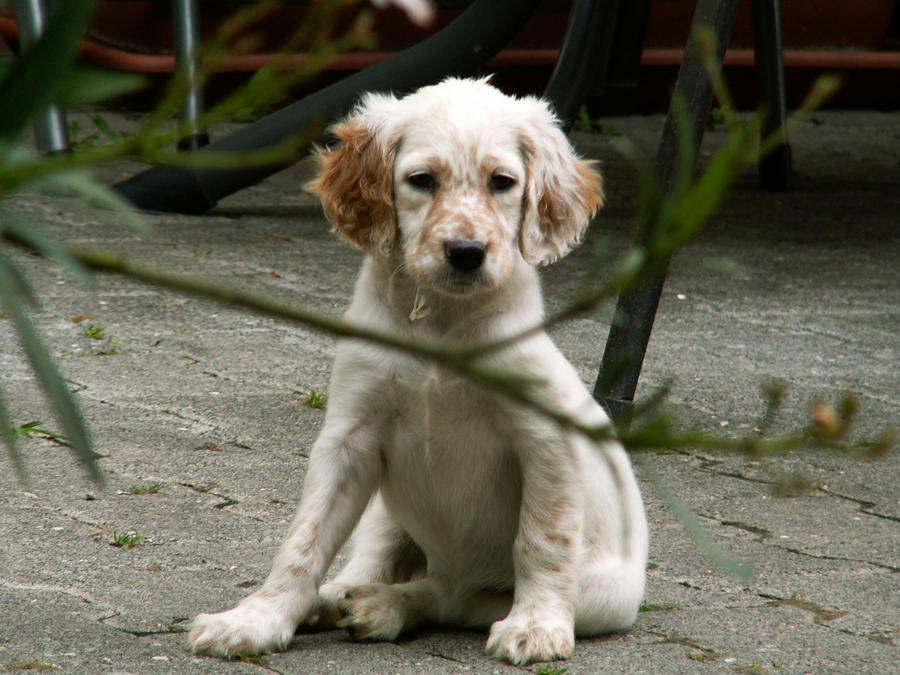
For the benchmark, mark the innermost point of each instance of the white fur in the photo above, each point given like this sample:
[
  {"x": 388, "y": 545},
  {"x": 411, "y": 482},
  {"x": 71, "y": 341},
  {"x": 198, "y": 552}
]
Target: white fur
[{"x": 469, "y": 510}]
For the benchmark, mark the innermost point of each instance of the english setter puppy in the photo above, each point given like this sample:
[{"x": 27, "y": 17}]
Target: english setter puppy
[{"x": 469, "y": 510}]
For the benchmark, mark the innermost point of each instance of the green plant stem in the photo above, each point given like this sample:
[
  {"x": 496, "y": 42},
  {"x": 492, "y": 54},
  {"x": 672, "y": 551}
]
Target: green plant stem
[
  {"x": 455, "y": 357},
  {"x": 458, "y": 358}
]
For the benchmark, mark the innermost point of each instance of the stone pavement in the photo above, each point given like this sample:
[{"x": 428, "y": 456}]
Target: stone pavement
[{"x": 204, "y": 406}]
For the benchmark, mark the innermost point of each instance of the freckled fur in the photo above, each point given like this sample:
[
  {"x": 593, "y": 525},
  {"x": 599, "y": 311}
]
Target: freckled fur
[{"x": 468, "y": 510}]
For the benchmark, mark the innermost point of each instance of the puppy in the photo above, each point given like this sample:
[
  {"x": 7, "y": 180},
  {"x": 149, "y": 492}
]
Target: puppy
[{"x": 469, "y": 510}]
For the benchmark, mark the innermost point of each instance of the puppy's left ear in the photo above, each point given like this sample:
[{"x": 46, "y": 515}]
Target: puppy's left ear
[{"x": 562, "y": 193}]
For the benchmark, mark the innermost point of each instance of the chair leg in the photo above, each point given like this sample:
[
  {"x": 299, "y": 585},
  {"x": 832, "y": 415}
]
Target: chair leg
[
  {"x": 188, "y": 61},
  {"x": 776, "y": 168},
  {"x": 584, "y": 57},
  {"x": 632, "y": 323},
  {"x": 51, "y": 130}
]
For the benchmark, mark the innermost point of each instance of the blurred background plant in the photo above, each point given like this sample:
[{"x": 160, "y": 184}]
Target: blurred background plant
[{"x": 47, "y": 73}]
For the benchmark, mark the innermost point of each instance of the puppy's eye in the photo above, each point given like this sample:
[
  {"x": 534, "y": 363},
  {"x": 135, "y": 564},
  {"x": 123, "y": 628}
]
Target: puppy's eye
[
  {"x": 422, "y": 180},
  {"x": 501, "y": 182}
]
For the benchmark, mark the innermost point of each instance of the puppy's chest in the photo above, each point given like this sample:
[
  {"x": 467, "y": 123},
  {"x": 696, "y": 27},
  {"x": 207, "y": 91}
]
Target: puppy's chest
[
  {"x": 441, "y": 422},
  {"x": 452, "y": 476}
]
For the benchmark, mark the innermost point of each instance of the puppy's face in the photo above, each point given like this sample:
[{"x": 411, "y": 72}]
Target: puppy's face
[
  {"x": 458, "y": 199},
  {"x": 458, "y": 182}
]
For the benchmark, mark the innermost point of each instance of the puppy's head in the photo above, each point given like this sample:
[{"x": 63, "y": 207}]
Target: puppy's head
[{"x": 458, "y": 183}]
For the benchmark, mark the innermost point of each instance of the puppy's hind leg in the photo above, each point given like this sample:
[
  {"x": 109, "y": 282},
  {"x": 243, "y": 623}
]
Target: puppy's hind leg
[
  {"x": 384, "y": 611},
  {"x": 611, "y": 580},
  {"x": 610, "y": 592},
  {"x": 381, "y": 552}
]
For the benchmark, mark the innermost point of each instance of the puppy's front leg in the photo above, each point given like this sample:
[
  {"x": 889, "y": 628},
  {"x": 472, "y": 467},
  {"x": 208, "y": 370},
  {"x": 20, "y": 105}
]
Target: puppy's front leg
[
  {"x": 343, "y": 471},
  {"x": 540, "y": 624}
]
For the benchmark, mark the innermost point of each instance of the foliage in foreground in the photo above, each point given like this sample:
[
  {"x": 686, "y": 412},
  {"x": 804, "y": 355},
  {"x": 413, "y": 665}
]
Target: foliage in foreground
[{"x": 47, "y": 74}]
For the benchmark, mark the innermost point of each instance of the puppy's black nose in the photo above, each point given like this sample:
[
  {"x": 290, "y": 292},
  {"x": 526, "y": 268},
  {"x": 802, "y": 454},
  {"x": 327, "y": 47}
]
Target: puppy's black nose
[{"x": 465, "y": 255}]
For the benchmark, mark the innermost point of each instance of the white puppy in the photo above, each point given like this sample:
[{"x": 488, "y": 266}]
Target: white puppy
[{"x": 469, "y": 509}]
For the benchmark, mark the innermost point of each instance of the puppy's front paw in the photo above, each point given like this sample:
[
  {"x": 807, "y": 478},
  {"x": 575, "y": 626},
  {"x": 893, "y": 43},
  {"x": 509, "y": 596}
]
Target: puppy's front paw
[
  {"x": 256, "y": 626},
  {"x": 372, "y": 612},
  {"x": 523, "y": 637}
]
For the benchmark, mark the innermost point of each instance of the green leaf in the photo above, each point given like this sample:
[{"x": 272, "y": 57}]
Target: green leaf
[
  {"x": 36, "y": 78},
  {"x": 32, "y": 237},
  {"x": 18, "y": 285},
  {"x": 690, "y": 212},
  {"x": 695, "y": 531},
  {"x": 97, "y": 194},
  {"x": 93, "y": 85},
  {"x": 687, "y": 154},
  {"x": 9, "y": 437},
  {"x": 51, "y": 380}
]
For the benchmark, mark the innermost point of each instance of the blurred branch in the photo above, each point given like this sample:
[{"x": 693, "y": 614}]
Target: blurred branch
[{"x": 672, "y": 217}]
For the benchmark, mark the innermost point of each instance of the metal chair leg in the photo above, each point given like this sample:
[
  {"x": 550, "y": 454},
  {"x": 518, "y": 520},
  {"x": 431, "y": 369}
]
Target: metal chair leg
[
  {"x": 51, "y": 130},
  {"x": 461, "y": 47},
  {"x": 188, "y": 61},
  {"x": 633, "y": 319},
  {"x": 584, "y": 57},
  {"x": 776, "y": 168}
]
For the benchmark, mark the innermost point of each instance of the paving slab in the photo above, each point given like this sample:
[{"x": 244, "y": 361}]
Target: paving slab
[{"x": 202, "y": 406}]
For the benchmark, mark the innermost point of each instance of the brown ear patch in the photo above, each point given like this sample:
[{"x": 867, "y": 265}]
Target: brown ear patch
[
  {"x": 354, "y": 185},
  {"x": 576, "y": 193},
  {"x": 564, "y": 192}
]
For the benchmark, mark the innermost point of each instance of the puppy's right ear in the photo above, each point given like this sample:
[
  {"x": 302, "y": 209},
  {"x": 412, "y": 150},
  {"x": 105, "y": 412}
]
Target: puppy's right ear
[{"x": 354, "y": 185}]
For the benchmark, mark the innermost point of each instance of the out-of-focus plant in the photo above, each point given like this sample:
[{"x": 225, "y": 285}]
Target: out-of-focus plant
[{"x": 46, "y": 74}]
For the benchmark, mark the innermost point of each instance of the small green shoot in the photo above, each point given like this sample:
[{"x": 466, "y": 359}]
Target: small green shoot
[
  {"x": 87, "y": 140},
  {"x": 109, "y": 350},
  {"x": 316, "y": 399},
  {"x": 33, "y": 428},
  {"x": 550, "y": 669},
  {"x": 77, "y": 141},
  {"x": 654, "y": 607},
  {"x": 94, "y": 331},
  {"x": 107, "y": 131},
  {"x": 716, "y": 118},
  {"x": 126, "y": 540},
  {"x": 701, "y": 656},
  {"x": 148, "y": 489},
  {"x": 590, "y": 126}
]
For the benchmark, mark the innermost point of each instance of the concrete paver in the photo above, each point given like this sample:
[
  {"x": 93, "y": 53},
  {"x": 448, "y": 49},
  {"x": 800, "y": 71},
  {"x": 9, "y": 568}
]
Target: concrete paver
[{"x": 207, "y": 402}]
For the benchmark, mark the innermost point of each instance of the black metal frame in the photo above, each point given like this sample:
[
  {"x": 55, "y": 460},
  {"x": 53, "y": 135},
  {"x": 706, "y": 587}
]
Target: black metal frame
[{"x": 460, "y": 48}]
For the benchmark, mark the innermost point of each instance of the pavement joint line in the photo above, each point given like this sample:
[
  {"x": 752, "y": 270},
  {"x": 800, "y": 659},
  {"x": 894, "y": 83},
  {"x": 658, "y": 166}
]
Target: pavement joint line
[
  {"x": 682, "y": 640},
  {"x": 864, "y": 505},
  {"x": 821, "y": 616},
  {"x": 763, "y": 534},
  {"x": 438, "y": 655},
  {"x": 880, "y": 638},
  {"x": 171, "y": 629},
  {"x": 822, "y": 556}
]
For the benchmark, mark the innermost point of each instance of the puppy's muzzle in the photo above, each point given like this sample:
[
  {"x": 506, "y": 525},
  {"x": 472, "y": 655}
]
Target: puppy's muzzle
[{"x": 465, "y": 255}]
